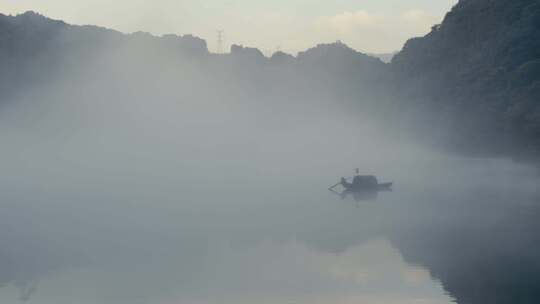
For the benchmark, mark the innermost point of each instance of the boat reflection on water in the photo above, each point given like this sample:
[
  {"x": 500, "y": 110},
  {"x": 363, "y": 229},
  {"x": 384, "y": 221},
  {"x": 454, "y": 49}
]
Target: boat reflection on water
[{"x": 360, "y": 194}]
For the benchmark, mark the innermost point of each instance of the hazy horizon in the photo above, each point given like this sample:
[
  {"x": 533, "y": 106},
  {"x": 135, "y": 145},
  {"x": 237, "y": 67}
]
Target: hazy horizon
[
  {"x": 140, "y": 170},
  {"x": 368, "y": 26}
]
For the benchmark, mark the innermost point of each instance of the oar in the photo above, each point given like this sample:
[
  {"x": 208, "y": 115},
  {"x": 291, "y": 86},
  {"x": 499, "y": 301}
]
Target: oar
[{"x": 332, "y": 188}]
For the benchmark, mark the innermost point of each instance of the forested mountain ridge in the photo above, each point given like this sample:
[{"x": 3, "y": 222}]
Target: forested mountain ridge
[
  {"x": 35, "y": 50},
  {"x": 472, "y": 84},
  {"x": 478, "y": 75},
  {"x": 34, "y": 47}
]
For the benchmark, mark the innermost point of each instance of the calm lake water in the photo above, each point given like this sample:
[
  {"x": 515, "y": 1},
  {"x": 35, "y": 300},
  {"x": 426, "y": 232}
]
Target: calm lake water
[
  {"x": 453, "y": 230},
  {"x": 115, "y": 201}
]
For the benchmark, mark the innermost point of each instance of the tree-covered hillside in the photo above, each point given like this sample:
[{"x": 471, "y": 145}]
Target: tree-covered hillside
[
  {"x": 477, "y": 75},
  {"x": 472, "y": 84}
]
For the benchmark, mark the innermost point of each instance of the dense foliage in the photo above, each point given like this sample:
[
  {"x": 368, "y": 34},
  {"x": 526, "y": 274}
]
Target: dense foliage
[{"x": 477, "y": 75}]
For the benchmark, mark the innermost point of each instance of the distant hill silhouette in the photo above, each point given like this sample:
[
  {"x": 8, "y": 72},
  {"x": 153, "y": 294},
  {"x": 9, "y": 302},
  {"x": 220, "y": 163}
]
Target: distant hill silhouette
[
  {"x": 34, "y": 48},
  {"x": 471, "y": 84}
]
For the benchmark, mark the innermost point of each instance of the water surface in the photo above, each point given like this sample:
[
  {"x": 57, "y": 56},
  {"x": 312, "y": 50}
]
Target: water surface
[
  {"x": 466, "y": 233},
  {"x": 115, "y": 200}
]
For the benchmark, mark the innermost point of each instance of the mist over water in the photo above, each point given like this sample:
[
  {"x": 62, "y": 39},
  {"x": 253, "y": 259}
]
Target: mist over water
[{"x": 154, "y": 183}]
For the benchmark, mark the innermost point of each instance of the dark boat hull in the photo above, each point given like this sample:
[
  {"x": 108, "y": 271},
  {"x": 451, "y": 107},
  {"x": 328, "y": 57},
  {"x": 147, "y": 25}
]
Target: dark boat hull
[{"x": 378, "y": 187}]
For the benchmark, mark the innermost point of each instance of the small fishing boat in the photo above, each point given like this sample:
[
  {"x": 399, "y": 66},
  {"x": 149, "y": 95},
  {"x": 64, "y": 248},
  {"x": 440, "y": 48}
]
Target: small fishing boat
[{"x": 363, "y": 183}]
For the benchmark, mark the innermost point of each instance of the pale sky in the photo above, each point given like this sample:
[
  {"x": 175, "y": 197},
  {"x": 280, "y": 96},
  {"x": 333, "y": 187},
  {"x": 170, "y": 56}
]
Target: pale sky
[{"x": 376, "y": 26}]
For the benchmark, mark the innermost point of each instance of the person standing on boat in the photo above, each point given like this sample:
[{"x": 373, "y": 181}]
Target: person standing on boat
[{"x": 357, "y": 179}]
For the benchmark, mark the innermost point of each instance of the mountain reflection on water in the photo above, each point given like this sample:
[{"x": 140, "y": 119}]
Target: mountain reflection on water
[{"x": 463, "y": 237}]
